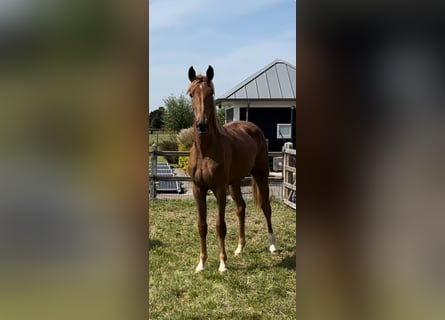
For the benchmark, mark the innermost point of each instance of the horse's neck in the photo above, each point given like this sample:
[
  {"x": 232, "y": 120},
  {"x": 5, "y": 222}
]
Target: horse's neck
[{"x": 207, "y": 143}]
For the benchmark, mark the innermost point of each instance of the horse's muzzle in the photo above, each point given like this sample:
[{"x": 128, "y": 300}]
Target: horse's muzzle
[{"x": 202, "y": 126}]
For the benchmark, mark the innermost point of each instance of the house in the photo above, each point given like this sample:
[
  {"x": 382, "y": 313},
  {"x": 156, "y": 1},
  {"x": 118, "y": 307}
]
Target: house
[{"x": 268, "y": 99}]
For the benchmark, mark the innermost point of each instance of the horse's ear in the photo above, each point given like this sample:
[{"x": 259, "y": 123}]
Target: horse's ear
[
  {"x": 210, "y": 73},
  {"x": 192, "y": 74}
]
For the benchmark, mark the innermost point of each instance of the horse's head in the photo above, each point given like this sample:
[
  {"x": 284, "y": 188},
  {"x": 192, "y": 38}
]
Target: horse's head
[{"x": 201, "y": 92}]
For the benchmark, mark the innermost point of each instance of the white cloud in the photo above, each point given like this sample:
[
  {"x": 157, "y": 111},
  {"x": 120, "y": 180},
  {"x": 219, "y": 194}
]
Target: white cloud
[
  {"x": 168, "y": 13},
  {"x": 230, "y": 68},
  {"x": 234, "y": 55},
  {"x": 176, "y": 13}
]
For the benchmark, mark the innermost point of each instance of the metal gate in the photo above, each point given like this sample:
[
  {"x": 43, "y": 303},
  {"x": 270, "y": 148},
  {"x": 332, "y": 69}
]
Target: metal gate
[{"x": 289, "y": 175}]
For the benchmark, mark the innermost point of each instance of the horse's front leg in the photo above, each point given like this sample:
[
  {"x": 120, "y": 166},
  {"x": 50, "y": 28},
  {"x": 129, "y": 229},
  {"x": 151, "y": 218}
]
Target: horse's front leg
[
  {"x": 221, "y": 228},
  {"x": 200, "y": 198}
]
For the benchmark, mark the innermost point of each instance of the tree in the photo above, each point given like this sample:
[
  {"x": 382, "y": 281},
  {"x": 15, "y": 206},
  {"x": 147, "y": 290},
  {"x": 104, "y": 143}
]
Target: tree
[
  {"x": 221, "y": 115},
  {"x": 179, "y": 113},
  {"x": 156, "y": 118}
]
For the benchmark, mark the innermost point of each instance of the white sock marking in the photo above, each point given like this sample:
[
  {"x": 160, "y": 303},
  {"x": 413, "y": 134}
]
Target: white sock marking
[
  {"x": 222, "y": 266},
  {"x": 200, "y": 266},
  {"x": 272, "y": 246}
]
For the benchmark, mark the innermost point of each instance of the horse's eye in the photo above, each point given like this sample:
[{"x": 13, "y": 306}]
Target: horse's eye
[{"x": 191, "y": 95}]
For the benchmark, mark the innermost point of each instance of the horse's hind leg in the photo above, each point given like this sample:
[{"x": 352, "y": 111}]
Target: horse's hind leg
[
  {"x": 262, "y": 183},
  {"x": 235, "y": 192}
]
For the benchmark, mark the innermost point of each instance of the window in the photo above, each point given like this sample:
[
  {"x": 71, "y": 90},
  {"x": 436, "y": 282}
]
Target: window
[
  {"x": 284, "y": 131},
  {"x": 229, "y": 115}
]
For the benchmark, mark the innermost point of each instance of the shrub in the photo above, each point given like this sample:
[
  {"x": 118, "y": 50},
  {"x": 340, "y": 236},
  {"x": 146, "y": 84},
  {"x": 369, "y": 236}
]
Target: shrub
[
  {"x": 169, "y": 145},
  {"x": 183, "y": 161},
  {"x": 185, "y": 137},
  {"x": 185, "y": 143}
]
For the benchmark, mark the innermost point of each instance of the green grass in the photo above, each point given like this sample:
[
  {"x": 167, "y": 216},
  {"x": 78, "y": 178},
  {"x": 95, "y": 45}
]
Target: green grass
[
  {"x": 157, "y": 137},
  {"x": 258, "y": 285}
]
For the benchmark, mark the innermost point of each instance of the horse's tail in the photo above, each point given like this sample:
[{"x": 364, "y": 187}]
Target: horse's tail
[{"x": 256, "y": 194}]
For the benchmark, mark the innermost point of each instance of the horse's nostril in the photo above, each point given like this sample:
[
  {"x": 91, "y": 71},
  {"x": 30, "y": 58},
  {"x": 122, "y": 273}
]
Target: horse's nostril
[{"x": 202, "y": 126}]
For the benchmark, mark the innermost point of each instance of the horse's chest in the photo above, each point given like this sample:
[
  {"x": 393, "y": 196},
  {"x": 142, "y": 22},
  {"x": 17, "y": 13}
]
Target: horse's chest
[{"x": 207, "y": 172}]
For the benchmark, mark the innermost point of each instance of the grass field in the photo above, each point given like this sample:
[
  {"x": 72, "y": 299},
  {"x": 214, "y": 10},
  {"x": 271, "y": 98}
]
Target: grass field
[
  {"x": 157, "y": 137},
  {"x": 258, "y": 285}
]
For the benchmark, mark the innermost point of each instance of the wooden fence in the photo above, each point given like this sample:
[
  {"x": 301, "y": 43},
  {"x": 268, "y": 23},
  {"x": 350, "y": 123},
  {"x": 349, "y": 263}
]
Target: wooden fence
[{"x": 285, "y": 194}]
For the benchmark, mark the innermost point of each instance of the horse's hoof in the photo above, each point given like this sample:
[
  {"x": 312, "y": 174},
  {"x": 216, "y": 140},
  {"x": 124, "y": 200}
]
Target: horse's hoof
[
  {"x": 200, "y": 267},
  {"x": 273, "y": 249},
  {"x": 222, "y": 268},
  {"x": 238, "y": 251}
]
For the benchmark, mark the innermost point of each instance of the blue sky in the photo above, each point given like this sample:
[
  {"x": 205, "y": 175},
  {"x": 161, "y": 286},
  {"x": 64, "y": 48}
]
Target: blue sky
[{"x": 236, "y": 37}]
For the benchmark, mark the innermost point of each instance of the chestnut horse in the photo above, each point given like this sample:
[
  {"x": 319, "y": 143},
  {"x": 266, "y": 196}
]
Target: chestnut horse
[{"x": 221, "y": 157}]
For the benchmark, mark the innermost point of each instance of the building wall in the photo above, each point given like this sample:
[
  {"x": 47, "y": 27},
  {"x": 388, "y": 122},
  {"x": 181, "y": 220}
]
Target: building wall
[
  {"x": 266, "y": 114},
  {"x": 267, "y": 119}
]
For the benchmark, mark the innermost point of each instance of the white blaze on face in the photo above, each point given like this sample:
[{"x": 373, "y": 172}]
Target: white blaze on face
[
  {"x": 199, "y": 112},
  {"x": 203, "y": 116}
]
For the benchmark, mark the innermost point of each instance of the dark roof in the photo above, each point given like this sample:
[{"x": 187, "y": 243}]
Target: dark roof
[{"x": 277, "y": 80}]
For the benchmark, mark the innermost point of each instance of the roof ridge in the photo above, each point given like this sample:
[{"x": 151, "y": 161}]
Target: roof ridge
[{"x": 254, "y": 76}]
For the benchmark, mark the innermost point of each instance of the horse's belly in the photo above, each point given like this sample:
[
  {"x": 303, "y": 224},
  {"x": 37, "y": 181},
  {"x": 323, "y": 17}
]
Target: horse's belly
[
  {"x": 240, "y": 168},
  {"x": 210, "y": 174}
]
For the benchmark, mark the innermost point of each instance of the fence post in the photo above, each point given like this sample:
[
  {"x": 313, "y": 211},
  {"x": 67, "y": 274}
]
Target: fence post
[
  {"x": 288, "y": 145},
  {"x": 154, "y": 167}
]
